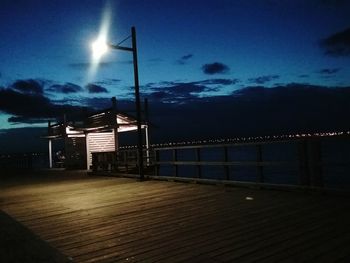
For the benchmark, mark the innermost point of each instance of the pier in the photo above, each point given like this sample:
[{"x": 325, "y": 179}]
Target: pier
[{"x": 88, "y": 218}]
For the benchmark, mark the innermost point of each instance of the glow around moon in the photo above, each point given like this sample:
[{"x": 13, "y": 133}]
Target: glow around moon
[{"x": 99, "y": 46}]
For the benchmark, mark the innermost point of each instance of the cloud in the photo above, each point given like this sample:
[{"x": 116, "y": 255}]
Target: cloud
[
  {"x": 303, "y": 76},
  {"x": 263, "y": 79},
  {"x": 178, "y": 91},
  {"x": 26, "y": 120},
  {"x": 33, "y": 107},
  {"x": 224, "y": 82},
  {"x": 215, "y": 68},
  {"x": 108, "y": 82},
  {"x": 337, "y": 44},
  {"x": 98, "y": 103},
  {"x": 184, "y": 59},
  {"x": 65, "y": 88},
  {"x": 329, "y": 71},
  {"x": 93, "y": 88},
  {"x": 29, "y": 86},
  {"x": 87, "y": 65},
  {"x": 252, "y": 111}
]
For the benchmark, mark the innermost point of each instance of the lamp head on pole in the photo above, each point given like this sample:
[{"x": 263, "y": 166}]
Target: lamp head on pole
[{"x": 99, "y": 48}]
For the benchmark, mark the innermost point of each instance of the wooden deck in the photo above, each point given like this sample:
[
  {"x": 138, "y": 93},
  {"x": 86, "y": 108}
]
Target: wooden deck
[{"x": 104, "y": 219}]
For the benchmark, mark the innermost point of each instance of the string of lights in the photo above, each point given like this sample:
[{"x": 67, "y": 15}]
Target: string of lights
[{"x": 266, "y": 138}]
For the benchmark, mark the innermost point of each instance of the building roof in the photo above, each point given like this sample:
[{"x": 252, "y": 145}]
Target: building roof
[{"x": 98, "y": 122}]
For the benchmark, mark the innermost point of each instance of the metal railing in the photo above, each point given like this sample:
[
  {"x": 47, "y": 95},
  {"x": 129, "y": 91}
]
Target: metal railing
[
  {"x": 312, "y": 162},
  {"x": 23, "y": 161}
]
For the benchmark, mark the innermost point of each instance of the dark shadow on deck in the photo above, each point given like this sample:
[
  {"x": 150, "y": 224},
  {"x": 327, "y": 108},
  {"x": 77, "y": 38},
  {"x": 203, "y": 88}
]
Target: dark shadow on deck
[{"x": 18, "y": 244}]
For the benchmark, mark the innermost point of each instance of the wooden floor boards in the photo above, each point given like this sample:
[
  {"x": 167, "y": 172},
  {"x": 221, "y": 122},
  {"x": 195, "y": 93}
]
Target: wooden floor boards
[{"x": 104, "y": 219}]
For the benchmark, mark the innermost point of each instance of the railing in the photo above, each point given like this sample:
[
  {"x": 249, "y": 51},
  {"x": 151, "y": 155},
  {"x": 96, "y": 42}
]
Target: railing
[
  {"x": 124, "y": 161},
  {"x": 313, "y": 162},
  {"x": 23, "y": 161}
]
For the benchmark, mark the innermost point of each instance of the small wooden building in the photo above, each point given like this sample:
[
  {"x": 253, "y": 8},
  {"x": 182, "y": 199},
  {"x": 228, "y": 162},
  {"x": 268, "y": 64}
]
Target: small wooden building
[{"x": 97, "y": 133}]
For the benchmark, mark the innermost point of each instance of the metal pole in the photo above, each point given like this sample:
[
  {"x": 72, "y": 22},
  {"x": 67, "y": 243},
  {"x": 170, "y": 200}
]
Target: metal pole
[
  {"x": 50, "y": 143},
  {"x": 50, "y": 153},
  {"x": 147, "y": 132},
  {"x": 138, "y": 105}
]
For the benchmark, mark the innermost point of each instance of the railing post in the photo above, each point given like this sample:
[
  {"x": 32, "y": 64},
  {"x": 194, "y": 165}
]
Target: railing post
[
  {"x": 315, "y": 165},
  {"x": 304, "y": 176},
  {"x": 226, "y": 167},
  {"x": 260, "y": 168},
  {"x": 176, "y": 168},
  {"x": 116, "y": 160},
  {"x": 198, "y": 159},
  {"x": 157, "y": 166},
  {"x": 126, "y": 161}
]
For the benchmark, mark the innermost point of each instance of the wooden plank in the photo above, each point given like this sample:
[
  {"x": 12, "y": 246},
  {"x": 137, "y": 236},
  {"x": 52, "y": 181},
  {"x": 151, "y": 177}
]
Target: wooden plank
[{"x": 100, "y": 219}]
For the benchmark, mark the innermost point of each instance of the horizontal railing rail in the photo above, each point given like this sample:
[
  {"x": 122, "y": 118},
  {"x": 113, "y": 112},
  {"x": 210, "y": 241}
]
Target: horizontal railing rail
[
  {"x": 312, "y": 162},
  {"x": 23, "y": 161}
]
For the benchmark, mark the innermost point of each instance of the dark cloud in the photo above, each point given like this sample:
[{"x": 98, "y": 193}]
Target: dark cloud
[
  {"x": 304, "y": 76},
  {"x": 184, "y": 59},
  {"x": 263, "y": 79},
  {"x": 224, "y": 82},
  {"x": 329, "y": 71},
  {"x": 108, "y": 82},
  {"x": 30, "y": 108},
  {"x": 93, "y": 88},
  {"x": 29, "y": 86},
  {"x": 87, "y": 65},
  {"x": 215, "y": 68},
  {"x": 177, "y": 90},
  {"x": 65, "y": 88},
  {"x": 98, "y": 103},
  {"x": 338, "y": 44},
  {"x": 26, "y": 120},
  {"x": 252, "y": 111}
]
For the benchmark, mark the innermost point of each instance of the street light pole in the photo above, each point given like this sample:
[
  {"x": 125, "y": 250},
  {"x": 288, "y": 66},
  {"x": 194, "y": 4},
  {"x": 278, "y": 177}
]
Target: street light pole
[
  {"x": 137, "y": 104},
  {"x": 133, "y": 49}
]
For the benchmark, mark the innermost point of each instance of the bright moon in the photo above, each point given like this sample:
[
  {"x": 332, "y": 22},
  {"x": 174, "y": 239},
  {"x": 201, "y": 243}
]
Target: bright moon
[{"x": 99, "y": 47}]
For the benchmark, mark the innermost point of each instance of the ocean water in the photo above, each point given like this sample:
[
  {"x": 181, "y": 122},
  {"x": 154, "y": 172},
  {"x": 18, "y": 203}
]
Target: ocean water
[{"x": 335, "y": 158}]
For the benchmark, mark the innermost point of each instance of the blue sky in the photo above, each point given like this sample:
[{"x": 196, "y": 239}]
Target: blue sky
[{"x": 186, "y": 48}]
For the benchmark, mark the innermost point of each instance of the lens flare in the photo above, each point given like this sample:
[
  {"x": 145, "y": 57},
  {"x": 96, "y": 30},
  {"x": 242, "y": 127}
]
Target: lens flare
[{"x": 99, "y": 46}]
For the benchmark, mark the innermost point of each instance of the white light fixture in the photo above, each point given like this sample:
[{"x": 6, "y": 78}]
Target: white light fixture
[{"x": 99, "y": 48}]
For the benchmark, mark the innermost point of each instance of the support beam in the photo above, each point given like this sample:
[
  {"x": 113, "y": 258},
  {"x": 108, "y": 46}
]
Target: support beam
[
  {"x": 147, "y": 145},
  {"x": 50, "y": 153},
  {"x": 87, "y": 151}
]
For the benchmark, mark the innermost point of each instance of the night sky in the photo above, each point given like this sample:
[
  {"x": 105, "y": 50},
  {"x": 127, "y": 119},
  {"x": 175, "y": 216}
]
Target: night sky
[{"x": 210, "y": 69}]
